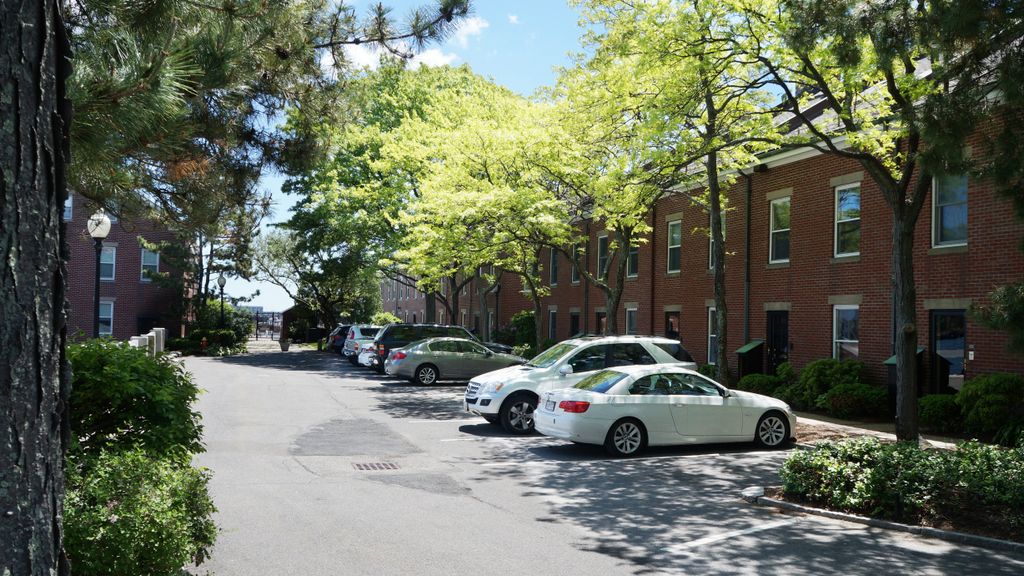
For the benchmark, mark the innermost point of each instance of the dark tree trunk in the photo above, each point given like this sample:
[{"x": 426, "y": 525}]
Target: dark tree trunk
[
  {"x": 905, "y": 294},
  {"x": 34, "y": 376},
  {"x": 430, "y": 308},
  {"x": 718, "y": 251}
]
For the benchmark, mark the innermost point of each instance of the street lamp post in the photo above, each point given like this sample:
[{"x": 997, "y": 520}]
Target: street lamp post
[
  {"x": 98, "y": 227},
  {"x": 221, "y": 281}
]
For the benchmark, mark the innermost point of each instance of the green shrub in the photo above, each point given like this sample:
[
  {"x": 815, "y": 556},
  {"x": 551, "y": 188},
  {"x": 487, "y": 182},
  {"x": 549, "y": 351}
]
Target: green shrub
[
  {"x": 525, "y": 327},
  {"x": 993, "y": 406},
  {"x": 820, "y": 376},
  {"x": 524, "y": 350},
  {"x": 183, "y": 345},
  {"x": 122, "y": 397},
  {"x": 382, "y": 318},
  {"x": 128, "y": 513},
  {"x": 760, "y": 384},
  {"x": 709, "y": 370},
  {"x": 939, "y": 413},
  {"x": 854, "y": 401},
  {"x": 786, "y": 373}
]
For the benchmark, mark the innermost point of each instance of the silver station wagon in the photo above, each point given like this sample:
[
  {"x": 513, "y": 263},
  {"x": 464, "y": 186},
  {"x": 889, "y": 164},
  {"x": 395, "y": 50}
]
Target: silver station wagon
[{"x": 429, "y": 361}]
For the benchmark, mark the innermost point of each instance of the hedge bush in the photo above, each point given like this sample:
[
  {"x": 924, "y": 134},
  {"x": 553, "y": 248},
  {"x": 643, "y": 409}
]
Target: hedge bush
[
  {"x": 122, "y": 397},
  {"x": 854, "y": 401},
  {"x": 816, "y": 379},
  {"x": 128, "y": 513},
  {"x": 759, "y": 384},
  {"x": 993, "y": 406},
  {"x": 384, "y": 318},
  {"x": 904, "y": 482},
  {"x": 939, "y": 413},
  {"x": 709, "y": 370}
]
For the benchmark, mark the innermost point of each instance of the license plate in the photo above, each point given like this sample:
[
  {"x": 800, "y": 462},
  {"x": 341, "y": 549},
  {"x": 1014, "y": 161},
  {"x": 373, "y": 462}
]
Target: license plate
[{"x": 550, "y": 406}]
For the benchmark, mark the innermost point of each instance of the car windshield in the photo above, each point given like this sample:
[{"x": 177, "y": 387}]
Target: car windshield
[
  {"x": 550, "y": 356},
  {"x": 600, "y": 381}
]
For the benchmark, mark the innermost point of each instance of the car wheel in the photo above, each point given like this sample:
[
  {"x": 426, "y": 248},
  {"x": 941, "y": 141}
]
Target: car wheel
[
  {"x": 492, "y": 419},
  {"x": 517, "y": 414},
  {"x": 626, "y": 438},
  {"x": 772, "y": 430},
  {"x": 426, "y": 375}
]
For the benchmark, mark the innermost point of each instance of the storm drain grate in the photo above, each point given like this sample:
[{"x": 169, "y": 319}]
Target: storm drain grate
[{"x": 375, "y": 466}]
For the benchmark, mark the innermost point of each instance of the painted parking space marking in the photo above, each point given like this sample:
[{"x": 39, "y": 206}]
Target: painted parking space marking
[{"x": 733, "y": 534}]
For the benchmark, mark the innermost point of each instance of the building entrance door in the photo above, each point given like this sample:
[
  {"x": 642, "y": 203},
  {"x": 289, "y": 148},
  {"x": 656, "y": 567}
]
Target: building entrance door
[
  {"x": 947, "y": 350},
  {"x": 777, "y": 340}
]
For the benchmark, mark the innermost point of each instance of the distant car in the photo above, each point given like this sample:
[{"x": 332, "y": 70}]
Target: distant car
[
  {"x": 336, "y": 339},
  {"x": 509, "y": 396},
  {"x": 398, "y": 335},
  {"x": 628, "y": 408},
  {"x": 358, "y": 335},
  {"x": 429, "y": 361}
]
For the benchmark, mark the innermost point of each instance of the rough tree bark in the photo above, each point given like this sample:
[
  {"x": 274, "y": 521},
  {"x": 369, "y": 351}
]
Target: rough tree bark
[{"x": 34, "y": 375}]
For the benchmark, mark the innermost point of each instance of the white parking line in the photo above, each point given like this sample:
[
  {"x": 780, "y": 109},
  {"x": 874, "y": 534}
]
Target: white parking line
[
  {"x": 440, "y": 421},
  {"x": 733, "y": 534},
  {"x": 459, "y": 439}
]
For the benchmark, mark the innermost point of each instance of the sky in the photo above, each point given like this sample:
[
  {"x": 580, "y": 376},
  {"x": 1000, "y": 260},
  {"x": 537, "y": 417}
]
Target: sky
[{"x": 517, "y": 43}]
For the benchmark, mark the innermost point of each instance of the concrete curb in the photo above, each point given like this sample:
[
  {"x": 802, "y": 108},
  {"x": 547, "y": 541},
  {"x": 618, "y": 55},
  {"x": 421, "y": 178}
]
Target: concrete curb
[{"x": 756, "y": 496}]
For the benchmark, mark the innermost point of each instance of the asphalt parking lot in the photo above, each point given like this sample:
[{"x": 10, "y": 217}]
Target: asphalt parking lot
[{"x": 321, "y": 467}]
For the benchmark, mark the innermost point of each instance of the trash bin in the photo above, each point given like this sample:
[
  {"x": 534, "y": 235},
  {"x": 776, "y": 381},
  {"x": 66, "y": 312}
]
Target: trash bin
[{"x": 750, "y": 358}]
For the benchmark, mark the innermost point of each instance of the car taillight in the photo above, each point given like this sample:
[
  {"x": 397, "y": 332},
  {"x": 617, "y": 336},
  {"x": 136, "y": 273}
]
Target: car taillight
[
  {"x": 574, "y": 406},
  {"x": 380, "y": 349},
  {"x": 351, "y": 335},
  {"x": 398, "y": 356}
]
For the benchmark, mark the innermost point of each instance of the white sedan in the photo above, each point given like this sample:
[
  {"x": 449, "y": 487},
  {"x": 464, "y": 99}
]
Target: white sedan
[{"x": 628, "y": 408}]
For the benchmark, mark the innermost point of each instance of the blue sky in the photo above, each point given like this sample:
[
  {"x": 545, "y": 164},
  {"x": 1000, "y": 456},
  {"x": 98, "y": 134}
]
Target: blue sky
[{"x": 516, "y": 43}]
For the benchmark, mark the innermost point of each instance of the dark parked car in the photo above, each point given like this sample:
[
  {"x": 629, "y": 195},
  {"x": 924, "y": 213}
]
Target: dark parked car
[
  {"x": 336, "y": 339},
  {"x": 399, "y": 335}
]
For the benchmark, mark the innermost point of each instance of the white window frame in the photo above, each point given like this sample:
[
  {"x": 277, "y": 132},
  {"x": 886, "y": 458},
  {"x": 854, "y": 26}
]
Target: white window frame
[
  {"x": 670, "y": 247},
  {"x": 630, "y": 253},
  {"x": 836, "y": 221},
  {"x": 634, "y": 310},
  {"x": 602, "y": 271},
  {"x": 772, "y": 231},
  {"x": 69, "y": 208},
  {"x": 574, "y": 270},
  {"x": 112, "y": 250},
  {"x": 142, "y": 262},
  {"x": 712, "y": 333},
  {"x": 99, "y": 314},
  {"x": 936, "y": 229},
  {"x": 835, "y": 324},
  {"x": 553, "y": 268},
  {"x": 552, "y": 324}
]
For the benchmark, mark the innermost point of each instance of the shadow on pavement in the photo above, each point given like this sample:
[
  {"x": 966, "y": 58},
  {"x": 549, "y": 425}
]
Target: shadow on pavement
[{"x": 404, "y": 400}]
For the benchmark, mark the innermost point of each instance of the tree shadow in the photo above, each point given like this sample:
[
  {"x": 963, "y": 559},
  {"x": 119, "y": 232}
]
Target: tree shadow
[
  {"x": 298, "y": 360},
  {"x": 400, "y": 399}
]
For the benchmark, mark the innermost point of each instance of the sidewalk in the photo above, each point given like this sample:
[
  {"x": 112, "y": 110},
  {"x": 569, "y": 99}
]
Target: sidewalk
[
  {"x": 263, "y": 345},
  {"x": 818, "y": 427}
]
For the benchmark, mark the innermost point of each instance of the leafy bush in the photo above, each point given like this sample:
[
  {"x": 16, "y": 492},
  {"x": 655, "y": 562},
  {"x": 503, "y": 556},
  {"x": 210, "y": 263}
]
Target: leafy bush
[
  {"x": 903, "y": 481},
  {"x": 939, "y": 413},
  {"x": 382, "y": 318},
  {"x": 993, "y": 406},
  {"x": 709, "y": 370},
  {"x": 791, "y": 394},
  {"x": 122, "y": 397},
  {"x": 524, "y": 350},
  {"x": 786, "y": 373},
  {"x": 759, "y": 383},
  {"x": 239, "y": 321},
  {"x": 816, "y": 379},
  {"x": 128, "y": 513},
  {"x": 854, "y": 401}
]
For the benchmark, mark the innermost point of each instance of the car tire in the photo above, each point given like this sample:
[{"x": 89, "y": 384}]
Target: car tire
[
  {"x": 626, "y": 438},
  {"x": 426, "y": 375},
  {"x": 516, "y": 414},
  {"x": 353, "y": 360},
  {"x": 772, "y": 430},
  {"x": 492, "y": 419}
]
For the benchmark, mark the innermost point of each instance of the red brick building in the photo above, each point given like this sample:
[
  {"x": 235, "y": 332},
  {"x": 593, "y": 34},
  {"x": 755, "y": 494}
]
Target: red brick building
[
  {"x": 818, "y": 259},
  {"x": 130, "y": 302}
]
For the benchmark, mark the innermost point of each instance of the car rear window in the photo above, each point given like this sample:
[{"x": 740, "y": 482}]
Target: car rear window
[
  {"x": 368, "y": 332},
  {"x": 600, "y": 381},
  {"x": 676, "y": 351},
  {"x": 456, "y": 332},
  {"x": 400, "y": 334}
]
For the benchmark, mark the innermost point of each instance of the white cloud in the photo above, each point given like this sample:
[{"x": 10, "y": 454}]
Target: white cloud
[
  {"x": 433, "y": 57},
  {"x": 513, "y": 19},
  {"x": 469, "y": 27},
  {"x": 363, "y": 56}
]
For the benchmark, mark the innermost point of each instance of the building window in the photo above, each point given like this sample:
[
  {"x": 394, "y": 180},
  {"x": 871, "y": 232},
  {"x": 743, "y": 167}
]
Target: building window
[
  {"x": 711, "y": 242},
  {"x": 150, "y": 264},
  {"x": 574, "y": 323},
  {"x": 845, "y": 332},
  {"x": 553, "y": 269},
  {"x": 633, "y": 262},
  {"x": 675, "y": 245},
  {"x": 574, "y": 272},
  {"x": 779, "y": 230},
  {"x": 107, "y": 257},
  {"x": 672, "y": 325},
  {"x": 848, "y": 220},
  {"x": 106, "y": 317},
  {"x": 553, "y": 324},
  {"x": 68, "y": 208},
  {"x": 949, "y": 219},
  {"x": 602, "y": 256},
  {"x": 712, "y": 336},
  {"x": 631, "y": 314}
]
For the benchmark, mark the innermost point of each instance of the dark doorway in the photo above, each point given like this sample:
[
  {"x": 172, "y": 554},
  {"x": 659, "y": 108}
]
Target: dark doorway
[
  {"x": 574, "y": 324},
  {"x": 672, "y": 325},
  {"x": 777, "y": 341},
  {"x": 947, "y": 350},
  {"x": 602, "y": 322}
]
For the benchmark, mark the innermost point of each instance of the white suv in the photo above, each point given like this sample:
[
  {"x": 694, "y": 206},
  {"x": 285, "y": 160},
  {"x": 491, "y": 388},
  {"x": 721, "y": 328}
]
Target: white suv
[{"x": 509, "y": 396}]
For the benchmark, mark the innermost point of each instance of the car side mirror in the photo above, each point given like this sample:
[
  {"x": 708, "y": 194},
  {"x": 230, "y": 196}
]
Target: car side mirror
[
  {"x": 565, "y": 369},
  {"x": 726, "y": 394}
]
